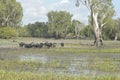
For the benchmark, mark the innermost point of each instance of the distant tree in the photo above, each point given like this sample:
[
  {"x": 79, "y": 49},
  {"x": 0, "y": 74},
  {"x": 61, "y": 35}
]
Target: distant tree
[
  {"x": 22, "y": 32},
  {"x": 7, "y": 32},
  {"x": 38, "y": 29},
  {"x": 11, "y": 13},
  {"x": 78, "y": 27},
  {"x": 100, "y": 11},
  {"x": 74, "y": 28},
  {"x": 117, "y": 29},
  {"x": 87, "y": 32},
  {"x": 108, "y": 30},
  {"x": 59, "y": 22}
]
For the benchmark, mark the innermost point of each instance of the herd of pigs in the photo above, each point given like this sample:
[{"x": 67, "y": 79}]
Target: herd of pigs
[{"x": 39, "y": 45}]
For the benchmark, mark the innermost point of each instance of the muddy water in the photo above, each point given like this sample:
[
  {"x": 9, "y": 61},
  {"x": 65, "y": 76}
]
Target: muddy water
[{"x": 75, "y": 63}]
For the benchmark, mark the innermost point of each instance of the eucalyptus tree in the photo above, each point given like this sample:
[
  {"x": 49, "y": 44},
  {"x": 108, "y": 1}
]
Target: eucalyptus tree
[
  {"x": 117, "y": 29},
  {"x": 78, "y": 26},
  {"x": 59, "y": 22},
  {"x": 100, "y": 11},
  {"x": 11, "y": 13},
  {"x": 109, "y": 31},
  {"x": 37, "y": 29}
]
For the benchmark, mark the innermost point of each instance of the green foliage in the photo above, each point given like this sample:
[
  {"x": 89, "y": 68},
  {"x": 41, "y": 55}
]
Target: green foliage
[
  {"x": 117, "y": 28},
  {"x": 103, "y": 11},
  {"x": 10, "y": 13},
  {"x": 87, "y": 31},
  {"x": 109, "y": 30},
  {"x": 22, "y": 32},
  {"x": 38, "y": 29},
  {"x": 59, "y": 22},
  {"x": 75, "y": 28},
  {"x": 7, "y": 32}
]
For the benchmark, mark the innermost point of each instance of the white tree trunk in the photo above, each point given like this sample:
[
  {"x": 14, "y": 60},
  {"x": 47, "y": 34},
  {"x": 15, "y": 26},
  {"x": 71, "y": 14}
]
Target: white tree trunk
[
  {"x": 116, "y": 37},
  {"x": 97, "y": 32}
]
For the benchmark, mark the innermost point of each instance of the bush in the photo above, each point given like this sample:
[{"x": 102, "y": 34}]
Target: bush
[
  {"x": 7, "y": 32},
  {"x": 22, "y": 32},
  {"x": 87, "y": 31}
]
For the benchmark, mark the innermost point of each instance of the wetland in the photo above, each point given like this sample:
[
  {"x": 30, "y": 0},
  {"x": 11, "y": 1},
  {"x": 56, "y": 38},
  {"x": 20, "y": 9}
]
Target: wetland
[{"x": 74, "y": 60}]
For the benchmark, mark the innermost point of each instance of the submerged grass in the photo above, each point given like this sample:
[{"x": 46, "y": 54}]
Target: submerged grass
[
  {"x": 10, "y": 75},
  {"x": 35, "y": 66},
  {"x": 107, "y": 65},
  {"x": 20, "y": 65},
  {"x": 29, "y": 65},
  {"x": 11, "y": 69}
]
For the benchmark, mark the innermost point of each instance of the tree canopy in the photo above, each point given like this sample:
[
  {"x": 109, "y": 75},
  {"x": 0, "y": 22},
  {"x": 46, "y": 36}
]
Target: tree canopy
[
  {"x": 11, "y": 13},
  {"x": 59, "y": 21},
  {"x": 100, "y": 12},
  {"x": 37, "y": 29}
]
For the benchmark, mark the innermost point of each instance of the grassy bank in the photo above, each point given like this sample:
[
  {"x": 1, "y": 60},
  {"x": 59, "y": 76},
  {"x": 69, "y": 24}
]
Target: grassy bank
[{"x": 71, "y": 46}]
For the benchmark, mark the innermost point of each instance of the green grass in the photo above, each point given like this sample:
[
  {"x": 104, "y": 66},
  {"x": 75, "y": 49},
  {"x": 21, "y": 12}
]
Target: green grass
[
  {"x": 107, "y": 65},
  {"x": 71, "y": 46},
  {"x": 16, "y": 65},
  {"x": 10, "y": 75},
  {"x": 93, "y": 50},
  {"x": 33, "y": 66},
  {"x": 12, "y": 68}
]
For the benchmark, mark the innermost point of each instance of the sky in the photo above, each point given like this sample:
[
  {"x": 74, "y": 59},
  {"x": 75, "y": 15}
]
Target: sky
[{"x": 36, "y": 10}]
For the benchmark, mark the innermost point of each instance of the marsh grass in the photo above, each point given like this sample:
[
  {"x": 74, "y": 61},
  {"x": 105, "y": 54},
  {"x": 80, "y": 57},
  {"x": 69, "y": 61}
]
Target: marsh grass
[
  {"x": 10, "y": 75},
  {"x": 16, "y": 65},
  {"x": 71, "y": 46},
  {"x": 30, "y": 65},
  {"x": 107, "y": 65},
  {"x": 14, "y": 69},
  {"x": 34, "y": 66}
]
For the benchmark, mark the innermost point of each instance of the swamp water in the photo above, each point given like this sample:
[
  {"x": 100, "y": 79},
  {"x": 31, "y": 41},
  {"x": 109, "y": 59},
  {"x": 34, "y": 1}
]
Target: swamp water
[
  {"x": 68, "y": 63},
  {"x": 82, "y": 64}
]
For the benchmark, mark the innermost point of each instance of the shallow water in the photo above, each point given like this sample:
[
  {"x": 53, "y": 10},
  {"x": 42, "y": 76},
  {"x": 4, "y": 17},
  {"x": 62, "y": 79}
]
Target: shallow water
[
  {"x": 69, "y": 63},
  {"x": 74, "y": 63}
]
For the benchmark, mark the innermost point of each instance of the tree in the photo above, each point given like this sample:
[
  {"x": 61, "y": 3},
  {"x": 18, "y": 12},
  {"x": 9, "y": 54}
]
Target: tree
[
  {"x": 7, "y": 32},
  {"x": 38, "y": 29},
  {"x": 59, "y": 21},
  {"x": 87, "y": 32},
  {"x": 117, "y": 29},
  {"x": 78, "y": 27},
  {"x": 11, "y": 13},
  {"x": 109, "y": 30},
  {"x": 100, "y": 11},
  {"x": 22, "y": 32}
]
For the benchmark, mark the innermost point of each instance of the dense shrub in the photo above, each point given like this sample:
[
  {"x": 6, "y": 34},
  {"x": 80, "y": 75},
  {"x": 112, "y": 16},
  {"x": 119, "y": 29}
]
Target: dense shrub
[
  {"x": 87, "y": 31},
  {"x": 23, "y": 32},
  {"x": 7, "y": 32},
  {"x": 37, "y": 29}
]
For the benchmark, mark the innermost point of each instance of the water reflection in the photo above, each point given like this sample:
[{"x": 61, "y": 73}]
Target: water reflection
[{"x": 37, "y": 58}]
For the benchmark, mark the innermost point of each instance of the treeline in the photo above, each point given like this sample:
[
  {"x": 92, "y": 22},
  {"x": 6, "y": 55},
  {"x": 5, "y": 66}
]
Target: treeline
[
  {"x": 11, "y": 14},
  {"x": 75, "y": 30},
  {"x": 60, "y": 25}
]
